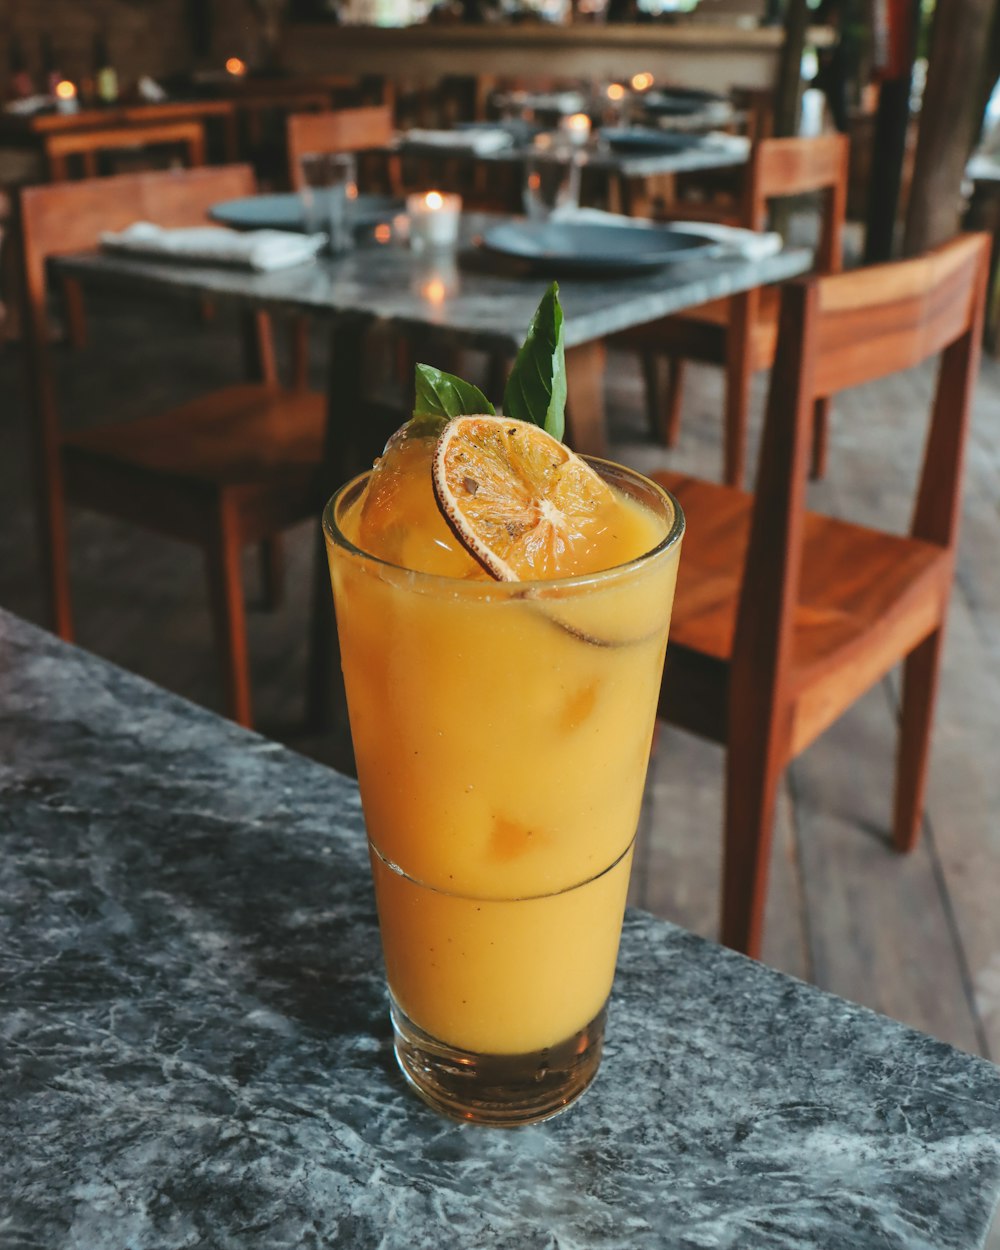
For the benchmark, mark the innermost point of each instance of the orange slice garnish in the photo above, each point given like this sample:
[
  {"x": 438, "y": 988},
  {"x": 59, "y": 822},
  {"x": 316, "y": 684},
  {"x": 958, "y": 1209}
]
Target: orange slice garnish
[{"x": 517, "y": 499}]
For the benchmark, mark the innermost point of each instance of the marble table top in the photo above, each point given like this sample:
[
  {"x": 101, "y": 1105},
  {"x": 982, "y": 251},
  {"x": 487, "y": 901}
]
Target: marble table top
[
  {"x": 195, "y": 1050},
  {"x": 463, "y": 298},
  {"x": 665, "y": 152}
]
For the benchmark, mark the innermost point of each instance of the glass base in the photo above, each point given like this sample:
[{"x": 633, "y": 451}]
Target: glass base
[{"x": 504, "y": 1090}]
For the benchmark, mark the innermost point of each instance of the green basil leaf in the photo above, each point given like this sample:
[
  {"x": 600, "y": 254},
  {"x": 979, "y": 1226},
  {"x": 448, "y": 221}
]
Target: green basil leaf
[
  {"x": 443, "y": 396},
  {"x": 536, "y": 388}
]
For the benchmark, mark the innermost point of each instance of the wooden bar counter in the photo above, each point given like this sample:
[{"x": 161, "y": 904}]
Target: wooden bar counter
[{"x": 710, "y": 56}]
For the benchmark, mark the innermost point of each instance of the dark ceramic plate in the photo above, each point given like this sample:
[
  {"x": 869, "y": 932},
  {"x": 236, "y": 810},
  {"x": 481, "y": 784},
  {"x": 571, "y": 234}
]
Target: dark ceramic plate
[
  {"x": 284, "y": 211},
  {"x": 519, "y": 130},
  {"x": 680, "y": 103},
  {"x": 592, "y": 248},
  {"x": 650, "y": 142}
]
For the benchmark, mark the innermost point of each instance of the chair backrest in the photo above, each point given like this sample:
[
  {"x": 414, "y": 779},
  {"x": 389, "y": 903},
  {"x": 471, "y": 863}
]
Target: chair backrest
[
  {"x": 188, "y": 135},
  {"x": 59, "y": 218},
  {"x": 837, "y": 332},
  {"x": 785, "y": 167},
  {"x": 340, "y": 130},
  {"x": 758, "y": 104}
]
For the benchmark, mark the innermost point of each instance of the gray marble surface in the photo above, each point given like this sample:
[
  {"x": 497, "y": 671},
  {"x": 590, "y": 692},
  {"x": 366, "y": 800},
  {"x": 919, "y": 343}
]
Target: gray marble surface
[
  {"x": 195, "y": 1052},
  {"x": 702, "y": 152},
  {"x": 466, "y": 299}
]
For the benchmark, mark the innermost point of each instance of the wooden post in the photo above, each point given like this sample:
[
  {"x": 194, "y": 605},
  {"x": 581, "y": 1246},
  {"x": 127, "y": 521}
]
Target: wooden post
[
  {"x": 788, "y": 94},
  {"x": 892, "y": 121},
  {"x": 949, "y": 120}
]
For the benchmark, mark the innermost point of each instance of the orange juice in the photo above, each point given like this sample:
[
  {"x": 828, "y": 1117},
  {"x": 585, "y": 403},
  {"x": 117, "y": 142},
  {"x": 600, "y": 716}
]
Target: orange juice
[{"x": 501, "y": 732}]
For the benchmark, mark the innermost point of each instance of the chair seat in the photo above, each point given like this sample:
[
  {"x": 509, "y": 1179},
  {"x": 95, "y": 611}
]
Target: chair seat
[
  {"x": 238, "y": 435},
  {"x": 258, "y": 446},
  {"x": 865, "y": 598}
]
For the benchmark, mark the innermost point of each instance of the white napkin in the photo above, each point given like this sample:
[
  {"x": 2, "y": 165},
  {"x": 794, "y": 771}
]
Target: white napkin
[
  {"x": 253, "y": 249},
  {"x": 750, "y": 244},
  {"x": 28, "y": 105},
  {"x": 481, "y": 142},
  {"x": 546, "y": 101},
  {"x": 721, "y": 139}
]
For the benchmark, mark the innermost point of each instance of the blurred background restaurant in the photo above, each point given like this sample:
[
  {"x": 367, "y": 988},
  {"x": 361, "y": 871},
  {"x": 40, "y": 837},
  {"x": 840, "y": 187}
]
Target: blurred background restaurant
[{"x": 656, "y": 109}]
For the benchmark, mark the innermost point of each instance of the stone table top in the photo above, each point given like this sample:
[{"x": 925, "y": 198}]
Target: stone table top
[
  {"x": 195, "y": 1049},
  {"x": 465, "y": 299},
  {"x": 686, "y": 155}
]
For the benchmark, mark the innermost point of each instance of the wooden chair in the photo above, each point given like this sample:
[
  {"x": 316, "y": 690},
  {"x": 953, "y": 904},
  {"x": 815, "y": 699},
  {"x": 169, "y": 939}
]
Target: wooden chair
[
  {"x": 187, "y": 136},
  {"x": 783, "y": 617},
  {"x": 740, "y": 332},
  {"x": 227, "y": 469},
  {"x": 262, "y": 122},
  {"x": 341, "y": 130}
]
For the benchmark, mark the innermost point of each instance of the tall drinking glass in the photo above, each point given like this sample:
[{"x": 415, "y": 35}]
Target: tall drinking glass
[
  {"x": 328, "y": 194},
  {"x": 502, "y": 733},
  {"x": 551, "y": 179}
]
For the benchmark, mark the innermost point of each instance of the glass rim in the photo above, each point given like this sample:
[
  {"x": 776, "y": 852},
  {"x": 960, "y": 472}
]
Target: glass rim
[{"x": 669, "y": 541}]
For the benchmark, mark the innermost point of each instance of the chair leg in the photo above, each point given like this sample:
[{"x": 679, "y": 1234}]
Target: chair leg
[
  {"x": 675, "y": 392},
  {"x": 753, "y": 772},
  {"x": 225, "y": 588},
  {"x": 271, "y": 554},
  {"x": 664, "y": 383},
  {"x": 821, "y": 413},
  {"x": 76, "y": 315},
  {"x": 55, "y": 555},
  {"x": 654, "y": 381},
  {"x": 300, "y": 354},
  {"x": 739, "y": 371},
  {"x": 920, "y": 679}
]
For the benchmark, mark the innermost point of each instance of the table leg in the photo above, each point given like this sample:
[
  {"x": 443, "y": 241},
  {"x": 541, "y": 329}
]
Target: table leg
[
  {"x": 231, "y": 137},
  {"x": 347, "y": 451},
  {"x": 585, "y": 431},
  {"x": 259, "y": 363}
]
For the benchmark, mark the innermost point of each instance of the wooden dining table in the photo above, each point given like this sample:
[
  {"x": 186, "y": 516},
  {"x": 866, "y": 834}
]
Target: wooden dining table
[
  {"x": 448, "y": 300},
  {"x": 195, "y": 1047},
  {"x": 32, "y": 130},
  {"x": 634, "y": 162},
  {"x": 443, "y": 302}
]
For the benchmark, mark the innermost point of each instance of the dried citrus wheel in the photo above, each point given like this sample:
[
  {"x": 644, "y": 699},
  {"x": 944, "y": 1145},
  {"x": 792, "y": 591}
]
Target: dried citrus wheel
[{"x": 517, "y": 499}]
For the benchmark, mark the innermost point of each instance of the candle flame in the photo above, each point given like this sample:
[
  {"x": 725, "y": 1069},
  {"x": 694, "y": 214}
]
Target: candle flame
[
  {"x": 434, "y": 291},
  {"x": 236, "y": 67},
  {"x": 383, "y": 233},
  {"x": 434, "y": 200},
  {"x": 616, "y": 91},
  {"x": 642, "y": 82},
  {"x": 65, "y": 90}
]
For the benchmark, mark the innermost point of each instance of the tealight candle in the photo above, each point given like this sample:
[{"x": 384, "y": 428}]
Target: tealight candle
[
  {"x": 434, "y": 217},
  {"x": 66, "y": 101},
  {"x": 576, "y": 128}
]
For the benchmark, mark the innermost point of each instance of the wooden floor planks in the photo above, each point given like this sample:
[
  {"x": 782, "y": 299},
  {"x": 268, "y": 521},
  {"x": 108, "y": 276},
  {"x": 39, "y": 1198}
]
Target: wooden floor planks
[{"x": 915, "y": 937}]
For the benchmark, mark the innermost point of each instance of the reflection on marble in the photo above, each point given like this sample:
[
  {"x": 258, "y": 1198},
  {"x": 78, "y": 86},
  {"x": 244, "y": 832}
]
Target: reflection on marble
[
  {"x": 487, "y": 307},
  {"x": 194, "y": 1050}
]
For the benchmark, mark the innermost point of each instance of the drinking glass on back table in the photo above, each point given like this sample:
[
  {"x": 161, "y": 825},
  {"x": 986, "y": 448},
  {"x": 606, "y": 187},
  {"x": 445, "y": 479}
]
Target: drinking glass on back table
[
  {"x": 551, "y": 180},
  {"x": 329, "y": 190}
]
